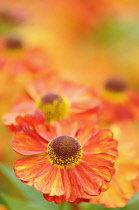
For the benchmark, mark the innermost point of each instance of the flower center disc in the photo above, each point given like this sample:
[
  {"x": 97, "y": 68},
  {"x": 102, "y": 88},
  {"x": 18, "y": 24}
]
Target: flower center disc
[
  {"x": 54, "y": 106},
  {"x": 116, "y": 85},
  {"x": 64, "y": 151},
  {"x": 13, "y": 43}
]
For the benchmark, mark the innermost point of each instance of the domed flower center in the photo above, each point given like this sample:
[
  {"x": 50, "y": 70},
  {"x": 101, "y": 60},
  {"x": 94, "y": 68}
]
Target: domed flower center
[
  {"x": 50, "y": 97},
  {"x": 54, "y": 106},
  {"x": 115, "y": 90},
  {"x": 13, "y": 43},
  {"x": 64, "y": 151},
  {"x": 116, "y": 85}
]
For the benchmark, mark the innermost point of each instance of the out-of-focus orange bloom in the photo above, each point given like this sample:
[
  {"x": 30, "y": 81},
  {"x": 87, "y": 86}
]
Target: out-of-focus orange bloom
[
  {"x": 72, "y": 163},
  {"x": 119, "y": 102},
  {"x": 16, "y": 58},
  {"x": 125, "y": 182},
  {"x": 3, "y": 207},
  {"x": 10, "y": 18},
  {"x": 58, "y": 99},
  {"x": 18, "y": 64}
]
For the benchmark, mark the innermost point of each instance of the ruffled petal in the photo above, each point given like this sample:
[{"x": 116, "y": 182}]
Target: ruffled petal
[
  {"x": 28, "y": 145},
  {"x": 30, "y": 168},
  {"x": 122, "y": 186},
  {"x": 101, "y": 159},
  {"x": 46, "y": 131},
  {"x": 38, "y": 172},
  {"x": 84, "y": 133},
  {"x": 100, "y": 170},
  {"x": 89, "y": 182},
  {"x": 86, "y": 102},
  {"x": 56, "y": 199},
  {"x": 21, "y": 108},
  {"x": 101, "y": 142},
  {"x": 76, "y": 190},
  {"x": 50, "y": 182},
  {"x": 69, "y": 87},
  {"x": 67, "y": 127},
  {"x": 9, "y": 121},
  {"x": 48, "y": 84},
  {"x": 67, "y": 185},
  {"x": 15, "y": 121}
]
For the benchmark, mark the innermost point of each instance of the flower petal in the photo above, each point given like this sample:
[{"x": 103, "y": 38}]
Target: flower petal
[
  {"x": 98, "y": 169},
  {"x": 63, "y": 127},
  {"x": 46, "y": 131},
  {"x": 84, "y": 133},
  {"x": 101, "y": 159},
  {"x": 28, "y": 169},
  {"x": 91, "y": 183},
  {"x": 56, "y": 199},
  {"x": 27, "y": 145},
  {"x": 76, "y": 190},
  {"x": 50, "y": 182},
  {"x": 101, "y": 142}
]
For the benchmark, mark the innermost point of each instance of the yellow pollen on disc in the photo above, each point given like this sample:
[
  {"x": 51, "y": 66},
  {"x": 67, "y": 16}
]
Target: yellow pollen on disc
[
  {"x": 115, "y": 90},
  {"x": 115, "y": 97},
  {"x": 64, "y": 151},
  {"x": 54, "y": 106}
]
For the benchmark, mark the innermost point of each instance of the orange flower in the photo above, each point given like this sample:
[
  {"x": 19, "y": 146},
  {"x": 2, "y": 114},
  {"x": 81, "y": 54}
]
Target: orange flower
[
  {"x": 58, "y": 99},
  {"x": 17, "y": 58},
  {"x": 119, "y": 102},
  {"x": 68, "y": 163},
  {"x": 9, "y": 19},
  {"x": 125, "y": 182}
]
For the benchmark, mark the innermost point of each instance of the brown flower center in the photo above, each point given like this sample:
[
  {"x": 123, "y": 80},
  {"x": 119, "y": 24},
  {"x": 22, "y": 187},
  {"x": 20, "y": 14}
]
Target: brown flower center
[
  {"x": 50, "y": 97},
  {"x": 64, "y": 151},
  {"x": 54, "y": 106},
  {"x": 116, "y": 84},
  {"x": 13, "y": 42}
]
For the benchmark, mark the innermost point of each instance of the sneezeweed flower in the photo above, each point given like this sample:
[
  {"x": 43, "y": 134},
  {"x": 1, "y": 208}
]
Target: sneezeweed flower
[
  {"x": 125, "y": 182},
  {"x": 119, "y": 102},
  {"x": 9, "y": 19},
  {"x": 17, "y": 58},
  {"x": 58, "y": 99},
  {"x": 69, "y": 163}
]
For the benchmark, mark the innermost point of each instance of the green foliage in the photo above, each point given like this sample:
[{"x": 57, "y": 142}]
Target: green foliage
[
  {"x": 15, "y": 204},
  {"x": 113, "y": 30},
  {"x": 27, "y": 192}
]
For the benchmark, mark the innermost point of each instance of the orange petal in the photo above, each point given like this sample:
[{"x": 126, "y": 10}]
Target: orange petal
[
  {"x": 56, "y": 199},
  {"x": 101, "y": 159},
  {"x": 85, "y": 133},
  {"x": 63, "y": 127},
  {"x": 46, "y": 131},
  {"x": 28, "y": 169},
  {"x": 101, "y": 142},
  {"x": 67, "y": 184},
  {"x": 28, "y": 145},
  {"x": 76, "y": 190},
  {"x": 50, "y": 182},
  {"x": 90, "y": 183},
  {"x": 102, "y": 171}
]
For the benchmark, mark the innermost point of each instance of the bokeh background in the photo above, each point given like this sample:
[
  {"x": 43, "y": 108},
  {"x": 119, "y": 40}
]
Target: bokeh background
[{"x": 87, "y": 41}]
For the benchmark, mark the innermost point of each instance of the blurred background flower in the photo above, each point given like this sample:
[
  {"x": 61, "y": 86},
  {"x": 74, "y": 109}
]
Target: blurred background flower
[{"x": 84, "y": 41}]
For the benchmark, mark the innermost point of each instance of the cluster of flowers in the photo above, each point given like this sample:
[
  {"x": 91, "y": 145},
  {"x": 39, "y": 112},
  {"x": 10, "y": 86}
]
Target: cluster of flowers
[{"x": 65, "y": 130}]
